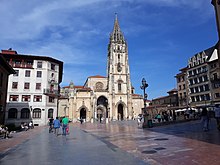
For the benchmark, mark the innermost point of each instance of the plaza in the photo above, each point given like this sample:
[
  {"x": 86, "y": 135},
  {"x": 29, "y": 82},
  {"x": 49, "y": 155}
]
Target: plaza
[{"x": 120, "y": 142}]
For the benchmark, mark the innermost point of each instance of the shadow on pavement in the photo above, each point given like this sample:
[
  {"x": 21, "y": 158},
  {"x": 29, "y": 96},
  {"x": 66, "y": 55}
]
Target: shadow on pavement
[{"x": 192, "y": 130}]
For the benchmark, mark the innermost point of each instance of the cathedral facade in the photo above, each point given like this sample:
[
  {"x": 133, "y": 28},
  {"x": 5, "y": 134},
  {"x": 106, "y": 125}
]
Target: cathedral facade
[{"x": 104, "y": 98}]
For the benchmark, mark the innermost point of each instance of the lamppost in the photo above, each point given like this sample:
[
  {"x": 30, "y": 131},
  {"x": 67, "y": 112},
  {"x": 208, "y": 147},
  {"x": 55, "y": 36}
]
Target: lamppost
[{"x": 144, "y": 86}]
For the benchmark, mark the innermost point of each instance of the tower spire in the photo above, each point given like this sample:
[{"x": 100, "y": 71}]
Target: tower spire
[{"x": 117, "y": 35}]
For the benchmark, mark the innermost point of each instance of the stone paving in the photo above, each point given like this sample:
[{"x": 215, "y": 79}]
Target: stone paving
[
  {"x": 78, "y": 148},
  {"x": 183, "y": 143},
  {"x": 18, "y": 138}
]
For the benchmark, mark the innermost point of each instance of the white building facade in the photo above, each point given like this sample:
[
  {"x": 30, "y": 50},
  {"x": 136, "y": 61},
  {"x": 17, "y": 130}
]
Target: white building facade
[
  {"x": 108, "y": 98},
  {"x": 33, "y": 90}
]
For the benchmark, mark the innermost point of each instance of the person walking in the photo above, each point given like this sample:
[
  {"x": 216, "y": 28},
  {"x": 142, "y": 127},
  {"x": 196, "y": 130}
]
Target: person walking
[
  {"x": 205, "y": 119},
  {"x": 217, "y": 115},
  {"x": 56, "y": 126},
  {"x": 65, "y": 122},
  {"x": 159, "y": 118},
  {"x": 51, "y": 125}
]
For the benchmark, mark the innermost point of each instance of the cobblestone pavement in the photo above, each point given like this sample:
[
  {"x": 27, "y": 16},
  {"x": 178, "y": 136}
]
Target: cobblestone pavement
[
  {"x": 38, "y": 147},
  {"x": 181, "y": 144},
  {"x": 18, "y": 138}
]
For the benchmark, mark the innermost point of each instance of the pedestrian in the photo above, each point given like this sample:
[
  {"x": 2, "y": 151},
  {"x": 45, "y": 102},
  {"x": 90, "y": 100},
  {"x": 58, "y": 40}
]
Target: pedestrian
[
  {"x": 205, "y": 119},
  {"x": 56, "y": 126},
  {"x": 217, "y": 115},
  {"x": 31, "y": 125},
  {"x": 65, "y": 122},
  {"x": 139, "y": 119},
  {"x": 51, "y": 125},
  {"x": 81, "y": 120},
  {"x": 159, "y": 118}
]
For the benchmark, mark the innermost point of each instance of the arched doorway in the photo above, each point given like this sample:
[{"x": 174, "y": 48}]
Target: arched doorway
[
  {"x": 83, "y": 113},
  {"x": 120, "y": 112},
  {"x": 102, "y": 105}
]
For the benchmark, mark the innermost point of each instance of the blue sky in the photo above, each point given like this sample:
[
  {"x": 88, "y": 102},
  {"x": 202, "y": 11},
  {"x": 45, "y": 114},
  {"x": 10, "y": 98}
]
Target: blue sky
[{"x": 161, "y": 35}]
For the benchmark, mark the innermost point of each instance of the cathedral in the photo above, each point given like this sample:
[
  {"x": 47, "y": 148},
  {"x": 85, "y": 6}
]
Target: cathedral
[{"x": 104, "y": 98}]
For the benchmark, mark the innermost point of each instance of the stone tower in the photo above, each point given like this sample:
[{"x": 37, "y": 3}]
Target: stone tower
[{"x": 118, "y": 75}]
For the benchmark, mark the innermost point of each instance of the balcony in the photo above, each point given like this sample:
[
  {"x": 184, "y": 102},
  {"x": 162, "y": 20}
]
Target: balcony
[
  {"x": 51, "y": 92},
  {"x": 21, "y": 65}
]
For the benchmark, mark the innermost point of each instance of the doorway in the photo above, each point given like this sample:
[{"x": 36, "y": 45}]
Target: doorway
[
  {"x": 120, "y": 112},
  {"x": 83, "y": 114}
]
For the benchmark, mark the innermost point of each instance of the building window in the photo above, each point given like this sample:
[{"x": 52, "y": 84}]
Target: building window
[
  {"x": 190, "y": 73},
  {"x": 193, "y": 99},
  {"x": 39, "y": 73},
  {"x": 51, "y": 99},
  {"x": 207, "y": 97},
  {"x": 99, "y": 86},
  {"x": 179, "y": 87},
  {"x": 38, "y": 86},
  {"x": 202, "y": 97},
  {"x": 39, "y": 64},
  {"x": 205, "y": 78},
  {"x": 52, "y": 67},
  {"x": 16, "y": 73},
  {"x": 181, "y": 96},
  {"x": 50, "y": 113},
  {"x": 200, "y": 79},
  {"x": 215, "y": 76},
  {"x": 184, "y": 86},
  {"x": 184, "y": 94},
  {"x": 201, "y": 88},
  {"x": 25, "y": 113},
  {"x": 197, "y": 89},
  {"x": 13, "y": 98},
  {"x": 26, "y": 85},
  {"x": 1, "y": 79},
  {"x": 195, "y": 80},
  {"x": 26, "y": 98},
  {"x": 197, "y": 98},
  {"x": 12, "y": 113},
  {"x": 192, "y": 90},
  {"x": 206, "y": 87},
  {"x": 27, "y": 73},
  {"x": 217, "y": 95},
  {"x": 37, "y": 113},
  {"x": 37, "y": 98},
  {"x": 119, "y": 87},
  {"x": 14, "y": 85}
]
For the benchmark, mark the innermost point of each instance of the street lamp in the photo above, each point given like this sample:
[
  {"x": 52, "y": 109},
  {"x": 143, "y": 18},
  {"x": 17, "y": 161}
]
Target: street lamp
[{"x": 144, "y": 86}]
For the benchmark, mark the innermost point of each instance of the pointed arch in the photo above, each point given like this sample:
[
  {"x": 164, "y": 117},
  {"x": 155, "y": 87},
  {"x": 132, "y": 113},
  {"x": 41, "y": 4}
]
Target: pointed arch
[{"x": 121, "y": 107}]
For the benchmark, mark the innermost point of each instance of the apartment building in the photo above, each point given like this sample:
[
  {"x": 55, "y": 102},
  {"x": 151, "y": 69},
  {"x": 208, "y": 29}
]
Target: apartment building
[
  {"x": 5, "y": 71},
  {"x": 214, "y": 73},
  {"x": 182, "y": 87},
  {"x": 33, "y": 90},
  {"x": 199, "y": 79},
  {"x": 165, "y": 104}
]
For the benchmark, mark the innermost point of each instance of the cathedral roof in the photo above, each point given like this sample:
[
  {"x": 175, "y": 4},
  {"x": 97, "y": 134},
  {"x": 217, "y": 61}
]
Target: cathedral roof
[{"x": 96, "y": 76}]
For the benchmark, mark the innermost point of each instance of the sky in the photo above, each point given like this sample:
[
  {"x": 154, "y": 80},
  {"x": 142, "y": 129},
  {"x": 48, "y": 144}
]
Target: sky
[{"x": 161, "y": 35}]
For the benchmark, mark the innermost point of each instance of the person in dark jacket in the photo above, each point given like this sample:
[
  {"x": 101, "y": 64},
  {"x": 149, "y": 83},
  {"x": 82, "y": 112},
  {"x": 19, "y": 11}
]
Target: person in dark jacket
[{"x": 205, "y": 119}]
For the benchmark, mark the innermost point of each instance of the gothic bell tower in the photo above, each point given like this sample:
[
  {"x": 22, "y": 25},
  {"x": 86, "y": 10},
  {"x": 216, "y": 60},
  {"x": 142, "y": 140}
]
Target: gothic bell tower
[{"x": 118, "y": 81}]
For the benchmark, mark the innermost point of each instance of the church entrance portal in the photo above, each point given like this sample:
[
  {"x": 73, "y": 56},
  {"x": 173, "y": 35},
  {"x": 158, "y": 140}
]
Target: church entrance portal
[
  {"x": 102, "y": 104},
  {"x": 83, "y": 113},
  {"x": 120, "y": 112}
]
